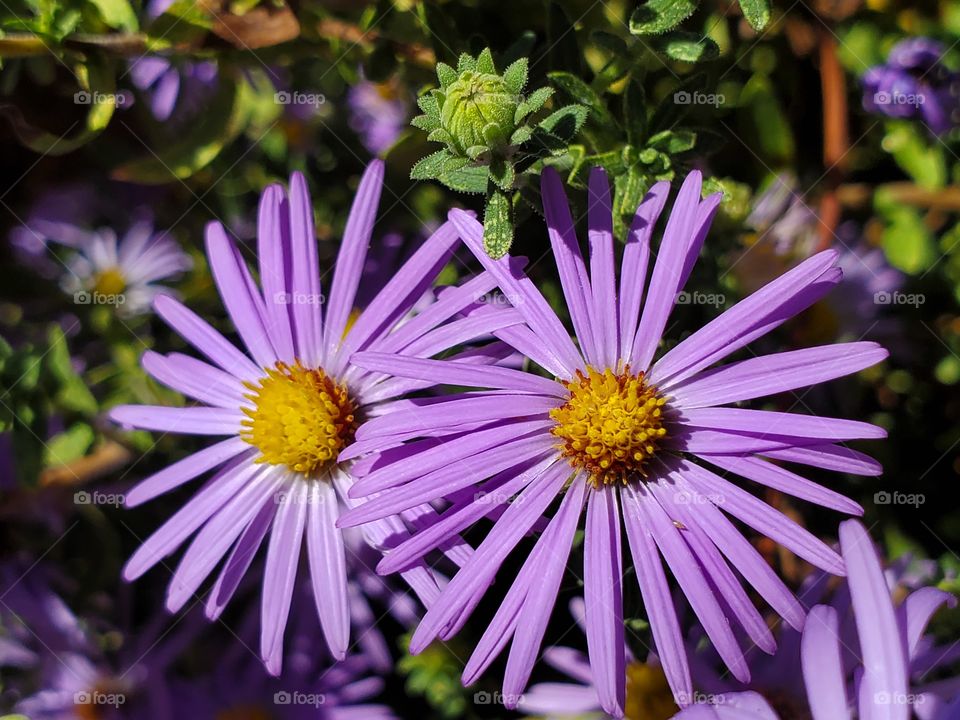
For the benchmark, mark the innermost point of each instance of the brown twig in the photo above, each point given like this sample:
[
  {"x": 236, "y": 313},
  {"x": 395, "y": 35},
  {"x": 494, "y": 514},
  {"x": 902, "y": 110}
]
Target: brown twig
[
  {"x": 105, "y": 459},
  {"x": 836, "y": 135}
]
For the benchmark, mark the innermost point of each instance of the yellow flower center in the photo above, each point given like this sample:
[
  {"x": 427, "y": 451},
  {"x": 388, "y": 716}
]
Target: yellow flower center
[
  {"x": 109, "y": 282},
  {"x": 611, "y": 424},
  {"x": 301, "y": 418},
  {"x": 648, "y": 694}
]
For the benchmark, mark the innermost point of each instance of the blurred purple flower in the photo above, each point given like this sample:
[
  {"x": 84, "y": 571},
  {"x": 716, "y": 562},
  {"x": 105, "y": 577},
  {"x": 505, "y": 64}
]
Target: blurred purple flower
[
  {"x": 289, "y": 407},
  {"x": 56, "y": 668},
  {"x": 378, "y": 113},
  {"x": 122, "y": 272},
  {"x": 914, "y": 83},
  {"x": 781, "y": 217},
  {"x": 182, "y": 86},
  {"x": 858, "y": 656},
  {"x": 648, "y": 694},
  {"x": 623, "y": 438}
]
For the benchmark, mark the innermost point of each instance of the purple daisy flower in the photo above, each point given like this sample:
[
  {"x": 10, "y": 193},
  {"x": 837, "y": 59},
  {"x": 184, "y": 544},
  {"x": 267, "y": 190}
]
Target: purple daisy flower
[
  {"x": 172, "y": 86},
  {"x": 914, "y": 83},
  {"x": 648, "y": 693},
  {"x": 289, "y": 407},
  {"x": 622, "y": 437},
  {"x": 859, "y": 656},
  {"x": 310, "y": 686},
  {"x": 105, "y": 270}
]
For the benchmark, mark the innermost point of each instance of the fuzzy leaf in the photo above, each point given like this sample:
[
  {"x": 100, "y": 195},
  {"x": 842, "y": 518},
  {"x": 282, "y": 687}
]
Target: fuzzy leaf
[
  {"x": 757, "y": 13},
  {"x": 465, "y": 62},
  {"x": 581, "y": 93},
  {"x": 429, "y": 104},
  {"x": 475, "y": 151},
  {"x": 673, "y": 142},
  {"x": 565, "y": 122},
  {"x": 521, "y": 135},
  {"x": 515, "y": 76},
  {"x": 445, "y": 74},
  {"x": 468, "y": 179},
  {"x": 502, "y": 173},
  {"x": 534, "y": 102},
  {"x": 439, "y": 135},
  {"x": 658, "y": 16},
  {"x": 485, "y": 62},
  {"x": 435, "y": 165},
  {"x": 425, "y": 123},
  {"x": 497, "y": 227},
  {"x": 688, "y": 47}
]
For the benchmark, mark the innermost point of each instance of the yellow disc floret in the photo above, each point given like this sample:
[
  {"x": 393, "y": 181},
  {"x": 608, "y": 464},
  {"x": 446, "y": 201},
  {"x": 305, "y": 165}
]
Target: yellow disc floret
[
  {"x": 648, "y": 694},
  {"x": 301, "y": 418},
  {"x": 109, "y": 282},
  {"x": 611, "y": 424}
]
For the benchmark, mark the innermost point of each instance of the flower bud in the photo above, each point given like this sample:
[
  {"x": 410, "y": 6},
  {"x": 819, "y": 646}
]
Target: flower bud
[{"x": 478, "y": 109}]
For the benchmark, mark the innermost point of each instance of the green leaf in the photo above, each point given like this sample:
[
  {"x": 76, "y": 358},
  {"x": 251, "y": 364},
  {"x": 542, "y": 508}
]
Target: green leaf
[
  {"x": 757, "y": 13},
  {"x": 515, "y": 76},
  {"x": 468, "y": 179},
  {"x": 185, "y": 22},
  {"x": 435, "y": 165},
  {"x": 674, "y": 142},
  {"x": 766, "y": 123},
  {"x": 658, "y": 16},
  {"x": 502, "y": 173},
  {"x": 117, "y": 14},
  {"x": 534, "y": 102},
  {"x": 915, "y": 154},
  {"x": 485, "y": 62},
  {"x": 69, "y": 445},
  {"x": 565, "y": 122},
  {"x": 425, "y": 122},
  {"x": 497, "y": 225},
  {"x": 224, "y": 119},
  {"x": 465, "y": 62},
  {"x": 446, "y": 75},
  {"x": 521, "y": 135},
  {"x": 687, "y": 47},
  {"x": 907, "y": 241},
  {"x": 581, "y": 93}
]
